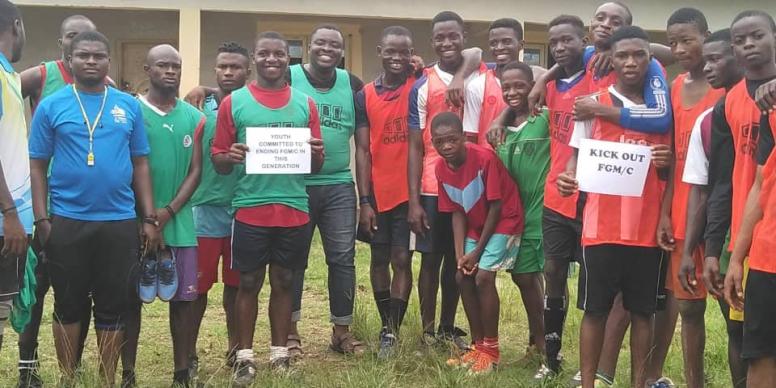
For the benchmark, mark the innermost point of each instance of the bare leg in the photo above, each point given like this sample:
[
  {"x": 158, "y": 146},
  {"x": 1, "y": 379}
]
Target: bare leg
[
  {"x": 532, "y": 294},
  {"x": 66, "y": 342},
  {"x": 468, "y": 287},
  {"x": 450, "y": 292},
  {"x": 641, "y": 338},
  {"x": 246, "y": 306},
  {"x": 665, "y": 323},
  {"x": 616, "y": 326},
  {"x": 762, "y": 373},
  {"x": 591, "y": 339},
  {"x": 109, "y": 343},
  {"x": 428, "y": 286},
  {"x": 693, "y": 340},
  {"x": 280, "y": 297}
]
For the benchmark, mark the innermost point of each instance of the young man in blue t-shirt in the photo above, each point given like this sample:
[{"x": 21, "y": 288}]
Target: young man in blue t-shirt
[{"x": 90, "y": 230}]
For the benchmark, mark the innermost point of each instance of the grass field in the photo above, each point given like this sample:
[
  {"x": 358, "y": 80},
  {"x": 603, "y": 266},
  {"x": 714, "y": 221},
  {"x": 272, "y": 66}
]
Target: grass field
[{"x": 414, "y": 365}]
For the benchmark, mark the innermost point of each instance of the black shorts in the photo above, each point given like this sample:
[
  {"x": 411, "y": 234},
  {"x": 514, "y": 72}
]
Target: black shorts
[
  {"x": 254, "y": 247},
  {"x": 11, "y": 273},
  {"x": 609, "y": 269},
  {"x": 97, "y": 257},
  {"x": 438, "y": 239},
  {"x": 392, "y": 228},
  {"x": 759, "y": 315},
  {"x": 562, "y": 236}
]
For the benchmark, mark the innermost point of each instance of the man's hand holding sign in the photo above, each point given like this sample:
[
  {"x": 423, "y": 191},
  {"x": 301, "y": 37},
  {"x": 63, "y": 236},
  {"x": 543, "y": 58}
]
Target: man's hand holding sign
[{"x": 278, "y": 150}]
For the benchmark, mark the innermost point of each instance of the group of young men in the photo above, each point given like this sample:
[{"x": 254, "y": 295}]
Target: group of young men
[{"x": 133, "y": 198}]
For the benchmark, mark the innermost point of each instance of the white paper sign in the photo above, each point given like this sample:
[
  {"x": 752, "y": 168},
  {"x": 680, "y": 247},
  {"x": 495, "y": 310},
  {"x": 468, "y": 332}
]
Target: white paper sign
[
  {"x": 277, "y": 150},
  {"x": 613, "y": 168}
]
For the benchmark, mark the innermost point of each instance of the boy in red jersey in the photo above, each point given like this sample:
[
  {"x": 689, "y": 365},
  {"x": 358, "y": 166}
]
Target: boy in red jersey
[
  {"x": 620, "y": 253},
  {"x": 691, "y": 95},
  {"x": 754, "y": 37},
  {"x": 487, "y": 223},
  {"x": 381, "y": 173}
]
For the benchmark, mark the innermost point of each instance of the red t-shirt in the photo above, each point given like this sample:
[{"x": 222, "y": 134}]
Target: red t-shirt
[
  {"x": 614, "y": 219},
  {"x": 561, "y": 106},
  {"x": 226, "y": 134},
  {"x": 761, "y": 256},
  {"x": 743, "y": 117},
  {"x": 684, "y": 120},
  {"x": 482, "y": 178}
]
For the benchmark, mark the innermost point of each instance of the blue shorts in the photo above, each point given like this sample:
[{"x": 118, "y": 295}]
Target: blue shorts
[{"x": 500, "y": 253}]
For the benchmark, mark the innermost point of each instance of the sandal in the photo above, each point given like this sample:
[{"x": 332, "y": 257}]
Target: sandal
[
  {"x": 294, "y": 345},
  {"x": 347, "y": 344}
]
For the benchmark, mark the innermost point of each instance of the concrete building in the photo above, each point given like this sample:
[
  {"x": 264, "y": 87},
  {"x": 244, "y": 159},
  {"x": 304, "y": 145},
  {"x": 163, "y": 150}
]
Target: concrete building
[{"x": 197, "y": 27}]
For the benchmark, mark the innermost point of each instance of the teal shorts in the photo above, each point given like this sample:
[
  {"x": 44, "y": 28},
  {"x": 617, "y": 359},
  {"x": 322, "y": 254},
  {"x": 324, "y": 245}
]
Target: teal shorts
[
  {"x": 500, "y": 253},
  {"x": 531, "y": 257}
]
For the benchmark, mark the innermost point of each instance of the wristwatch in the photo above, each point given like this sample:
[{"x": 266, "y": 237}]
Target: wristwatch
[{"x": 151, "y": 220}]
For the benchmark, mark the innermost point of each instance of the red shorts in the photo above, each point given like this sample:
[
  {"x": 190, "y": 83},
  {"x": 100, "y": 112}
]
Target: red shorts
[
  {"x": 673, "y": 282},
  {"x": 210, "y": 250}
]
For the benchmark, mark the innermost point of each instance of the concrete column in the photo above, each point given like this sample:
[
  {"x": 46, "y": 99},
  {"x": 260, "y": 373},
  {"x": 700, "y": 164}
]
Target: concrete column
[{"x": 189, "y": 30}]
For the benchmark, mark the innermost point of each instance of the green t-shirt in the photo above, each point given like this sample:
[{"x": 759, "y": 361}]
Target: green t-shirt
[
  {"x": 214, "y": 189},
  {"x": 526, "y": 155},
  {"x": 53, "y": 81},
  {"x": 338, "y": 123},
  {"x": 171, "y": 137},
  {"x": 266, "y": 189}
]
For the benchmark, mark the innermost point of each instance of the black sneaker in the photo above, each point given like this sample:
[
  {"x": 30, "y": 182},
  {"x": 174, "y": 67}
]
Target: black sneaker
[
  {"x": 128, "y": 379},
  {"x": 231, "y": 358},
  {"x": 29, "y": 378},
  {"x": 282, "y": 364},
  {"x": 244, "y": 373},
  {"x": 454, "y": 336},
  {"x": 387, "y": 344}
]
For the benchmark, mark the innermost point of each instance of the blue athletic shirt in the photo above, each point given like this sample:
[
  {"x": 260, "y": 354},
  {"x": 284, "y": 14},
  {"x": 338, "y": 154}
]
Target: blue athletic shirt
[
  {"x": 656, "y": 117},
  {"x": 102, "y": 192}
]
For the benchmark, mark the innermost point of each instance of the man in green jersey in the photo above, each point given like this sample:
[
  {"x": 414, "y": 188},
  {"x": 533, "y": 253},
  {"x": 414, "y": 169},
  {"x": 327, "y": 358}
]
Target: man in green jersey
[
  {"x": 174, "y": 130},
  {"x": 526, "y": 154},
  {"x": 271, "y": 214},
  {"x": 332, "y": 192},
  {"x": 213, "y": 199},
  {"x": 42, "y": 80}
]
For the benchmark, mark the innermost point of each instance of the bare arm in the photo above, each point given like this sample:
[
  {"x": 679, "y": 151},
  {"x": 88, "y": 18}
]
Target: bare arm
[
  {"x": 189, "y": 184},
  {"x": 472, "y": 59},
  {"x": 416, "y": 216},
  {"x": 753, "y": 213},
  {"x": 459, "y": 234},
  {"x": 31, "y": 80},
  {"x": 363, "y": 162},
  {"x": 15, "y": 238},
  {"x": 141, "y": 185},
  {"x": 662, "y": 53}
]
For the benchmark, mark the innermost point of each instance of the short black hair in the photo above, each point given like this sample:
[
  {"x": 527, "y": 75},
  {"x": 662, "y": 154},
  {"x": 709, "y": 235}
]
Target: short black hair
[
  {"x": 754, "y": 13},
  {"x": 629, "y": 16},
  {"x": 233, "y": 48},
  {"x": 572, "y": 20},
  {"x": 73, "y": 18},
  {"x": 722, "y": 35},
  {"x": 627, "y": 32},
  {"x": 9, "y": 14},
  {"x": 447, "y": 16},
  {"x": 90, "y": 36},
  {"x": 522, "y": 66},
  {"x": 508, "y": 23},
  {"x": 447, "y": 119},
  {"x": 396, "y": 30},
  {"x": 689, "y": 15},
  {"x": 271, "y": 35},
  {"x": 327, "y": 26}
]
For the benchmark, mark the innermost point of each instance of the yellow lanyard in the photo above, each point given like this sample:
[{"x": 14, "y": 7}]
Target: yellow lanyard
[{"x": 89, "y": 126}]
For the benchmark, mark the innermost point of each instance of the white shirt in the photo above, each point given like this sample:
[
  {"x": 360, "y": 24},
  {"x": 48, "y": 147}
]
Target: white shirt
[{"x": 696, "y": 166}]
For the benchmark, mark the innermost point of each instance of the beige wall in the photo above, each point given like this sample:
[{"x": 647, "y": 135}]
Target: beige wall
[
  {"x": 42, "y": 27},
  {"x": 649, "y": 14},
  {"x": 218, "y": 27}
]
